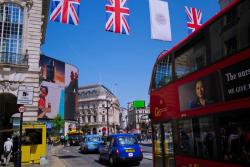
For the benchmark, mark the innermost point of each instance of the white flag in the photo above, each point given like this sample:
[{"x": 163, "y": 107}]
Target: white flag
[{"x": 160, "y": 21}]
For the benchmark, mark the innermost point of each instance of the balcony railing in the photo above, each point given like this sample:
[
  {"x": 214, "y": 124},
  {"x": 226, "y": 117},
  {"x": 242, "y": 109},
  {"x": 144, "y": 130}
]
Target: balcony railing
[{"x": 13, "y": 58}]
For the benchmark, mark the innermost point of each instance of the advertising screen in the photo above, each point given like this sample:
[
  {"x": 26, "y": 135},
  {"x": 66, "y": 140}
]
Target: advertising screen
[
  {"x": 51, "y": 100},
  {"x": 52, "y": 70},
  {"x": 71, "y": 89}
]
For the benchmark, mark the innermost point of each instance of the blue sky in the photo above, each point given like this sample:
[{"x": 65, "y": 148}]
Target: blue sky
[{"x": 122, "y": 63}]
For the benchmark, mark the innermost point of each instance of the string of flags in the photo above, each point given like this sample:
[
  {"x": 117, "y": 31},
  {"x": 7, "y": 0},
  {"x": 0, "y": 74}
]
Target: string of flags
[{"x": 117, "y": 16}]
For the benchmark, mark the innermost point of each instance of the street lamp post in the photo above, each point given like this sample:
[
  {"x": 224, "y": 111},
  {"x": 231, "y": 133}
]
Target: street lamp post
[{"x": 108, "y": 106}]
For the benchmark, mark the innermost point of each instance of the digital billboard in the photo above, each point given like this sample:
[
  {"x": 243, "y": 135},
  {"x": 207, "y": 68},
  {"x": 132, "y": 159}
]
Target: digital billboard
[
  {"x": 71, "y": 89},
  {"x": 137, "y": 104},
  {"x": 51, "y": 101},
  {"x": 58, "y": 89},
  {"x": 52, "y": 70}
]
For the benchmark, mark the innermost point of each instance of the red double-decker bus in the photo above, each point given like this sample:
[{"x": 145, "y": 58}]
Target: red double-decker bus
[{"x": 200, "y": 95}]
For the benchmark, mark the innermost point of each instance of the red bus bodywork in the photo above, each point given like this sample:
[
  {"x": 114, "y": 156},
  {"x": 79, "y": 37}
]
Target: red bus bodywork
[{"x": 165, "y": 103}]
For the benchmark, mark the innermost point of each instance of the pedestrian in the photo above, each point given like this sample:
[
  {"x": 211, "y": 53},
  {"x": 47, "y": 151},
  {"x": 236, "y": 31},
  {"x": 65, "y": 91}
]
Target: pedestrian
[
  {"x": 7, "y": 150},
  {"x": 62, "y": 140},
  {"x": 15, "y": 146},
  {"x": 50, "y": 143},
  {"x": 66, "y": 138}
]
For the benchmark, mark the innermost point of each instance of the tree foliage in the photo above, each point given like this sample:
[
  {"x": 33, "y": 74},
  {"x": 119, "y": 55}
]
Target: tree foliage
[
  {"x": 85, "y": 128},
  {"x": 58, "y": 123}
]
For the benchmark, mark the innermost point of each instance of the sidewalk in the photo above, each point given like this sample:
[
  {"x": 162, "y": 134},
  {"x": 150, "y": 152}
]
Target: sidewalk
[{"x": 52, "y": 159}]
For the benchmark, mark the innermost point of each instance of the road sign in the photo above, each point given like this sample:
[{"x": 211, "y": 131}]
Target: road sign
[
  {"x": 21, "y": 109},
  {"x": 25, "y": 95}
]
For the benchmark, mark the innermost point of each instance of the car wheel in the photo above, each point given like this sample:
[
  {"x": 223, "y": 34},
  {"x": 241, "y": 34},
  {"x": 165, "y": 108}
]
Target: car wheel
[
  {"x": 112, "y": 161},
  {"x": 137, "y": 164}
]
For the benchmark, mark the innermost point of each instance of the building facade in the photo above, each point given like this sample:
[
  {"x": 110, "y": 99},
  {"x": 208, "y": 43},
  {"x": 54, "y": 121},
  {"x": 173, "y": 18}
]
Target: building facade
[
  {"x": 123, "y": 118},
  {"x": 138, "y": 119},
  {"x": 22, "y": 32},
  {"x": 98, "y": 106}
]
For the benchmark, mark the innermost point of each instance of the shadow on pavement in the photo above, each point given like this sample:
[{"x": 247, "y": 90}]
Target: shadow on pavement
[
  {"x": 67, "y": 156},
  {"x": 145, "y": 144},
  {"x": 102, "y": 162}
]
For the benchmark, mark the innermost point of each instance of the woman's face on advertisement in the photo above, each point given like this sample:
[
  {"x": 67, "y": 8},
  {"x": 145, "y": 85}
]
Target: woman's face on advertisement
[{"x": 199, "y": 88}]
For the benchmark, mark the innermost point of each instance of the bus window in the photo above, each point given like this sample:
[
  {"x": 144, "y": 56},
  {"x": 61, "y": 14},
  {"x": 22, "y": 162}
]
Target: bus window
[
  {"x": 230, "y": 33},
  {"x": 186, "y": 145},
  {"x": 163, "y": 72},
  {"x": 235, "y": 138},
  {"x": 204, "y": 138},
  {"x": 158, "y": 159},
  {"x": 191, "y": 59}
]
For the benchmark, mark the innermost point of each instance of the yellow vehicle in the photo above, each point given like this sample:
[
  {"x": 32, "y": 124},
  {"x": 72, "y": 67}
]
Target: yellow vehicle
[{"x": 75, "y": 137}]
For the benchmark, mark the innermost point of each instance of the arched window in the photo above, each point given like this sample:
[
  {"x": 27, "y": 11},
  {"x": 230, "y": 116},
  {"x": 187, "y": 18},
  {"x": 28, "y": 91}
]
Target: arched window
[{"x": 11, "y": 31}]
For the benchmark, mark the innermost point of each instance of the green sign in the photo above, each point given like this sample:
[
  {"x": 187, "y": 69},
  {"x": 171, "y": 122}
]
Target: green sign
[{"x": 139, "y": 104}]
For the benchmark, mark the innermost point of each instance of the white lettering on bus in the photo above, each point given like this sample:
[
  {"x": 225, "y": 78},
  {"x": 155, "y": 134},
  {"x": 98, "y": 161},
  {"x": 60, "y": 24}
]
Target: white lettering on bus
[{"x": 244, "y": 73}]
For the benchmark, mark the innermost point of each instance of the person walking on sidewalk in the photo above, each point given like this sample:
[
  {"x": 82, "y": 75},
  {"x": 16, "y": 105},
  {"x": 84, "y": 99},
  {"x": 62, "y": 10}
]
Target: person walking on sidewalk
[{"x": 7, "y": 150}]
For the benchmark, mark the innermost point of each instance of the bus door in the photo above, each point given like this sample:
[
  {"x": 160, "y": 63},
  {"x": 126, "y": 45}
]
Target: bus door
[{"x": 168, "y": 146}]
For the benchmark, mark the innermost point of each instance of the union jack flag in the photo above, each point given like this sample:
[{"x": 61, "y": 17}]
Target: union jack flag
[
  {"x": 194, "y": 18},
  {"x": 65, "y": 11},
  {"x": 117, "y": 14}
]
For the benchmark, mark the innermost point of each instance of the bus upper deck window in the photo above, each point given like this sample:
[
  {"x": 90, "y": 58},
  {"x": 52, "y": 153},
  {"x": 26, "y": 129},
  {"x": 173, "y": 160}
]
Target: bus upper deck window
[{"x": 163, "y": 72}]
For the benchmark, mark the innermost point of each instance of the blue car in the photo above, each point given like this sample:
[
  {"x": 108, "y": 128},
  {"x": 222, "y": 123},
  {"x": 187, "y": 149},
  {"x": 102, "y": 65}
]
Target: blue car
[
  {"x": 121, "y": 148},
  {"x": 90, "y": 143}
]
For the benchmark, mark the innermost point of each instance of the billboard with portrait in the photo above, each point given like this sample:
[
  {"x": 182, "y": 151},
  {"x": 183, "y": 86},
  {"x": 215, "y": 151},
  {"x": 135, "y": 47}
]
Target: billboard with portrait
[
  {"x": 71, "y": 92},
  {"x": 52, "y": 70},
  {"x": 51, "y": 101},
  {"x": 199, "y": 93}
]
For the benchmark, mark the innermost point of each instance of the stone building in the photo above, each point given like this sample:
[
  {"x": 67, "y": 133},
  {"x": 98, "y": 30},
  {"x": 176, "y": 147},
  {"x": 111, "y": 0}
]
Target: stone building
[
  {"x": 94, "y": 102},
  {"x": 22, "y": 32},
  {"x": 123, "y": 118},
  {"x": 138, "y": 119}
]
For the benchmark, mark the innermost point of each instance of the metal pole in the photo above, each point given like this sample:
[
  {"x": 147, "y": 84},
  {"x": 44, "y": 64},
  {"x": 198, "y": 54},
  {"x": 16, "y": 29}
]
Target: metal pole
[
  {"x": 20, "y": 140},
  {"x": 107, "y": 118}
]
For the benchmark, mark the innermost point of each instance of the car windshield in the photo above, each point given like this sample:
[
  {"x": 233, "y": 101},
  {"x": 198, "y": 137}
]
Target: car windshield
[
  {"x": 93, "y": 139},
  {"x": 127, "y": 140}
]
